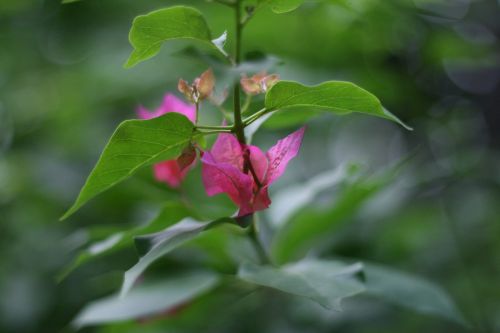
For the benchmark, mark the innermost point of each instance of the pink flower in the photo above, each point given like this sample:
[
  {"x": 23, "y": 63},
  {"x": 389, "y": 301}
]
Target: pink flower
[
  {"x": 172, "y": 172},
  {"x": 225, "y": 169}
]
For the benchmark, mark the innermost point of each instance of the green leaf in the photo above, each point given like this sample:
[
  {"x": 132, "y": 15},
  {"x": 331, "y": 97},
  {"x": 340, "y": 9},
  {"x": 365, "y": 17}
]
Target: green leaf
[
  {"x": 326, "y": 282},
  {"x": 152, "y": 247},
  {"x": 148, "y": 299},
  {"x": 134, "y": 144},
  {"x": 150, "y": 31},
  {"x": 334, "y": 96},
  {"x": 299, "y": 234},
  {"x": 411, "y": 292},
  {"x": 172, "y": 212}
]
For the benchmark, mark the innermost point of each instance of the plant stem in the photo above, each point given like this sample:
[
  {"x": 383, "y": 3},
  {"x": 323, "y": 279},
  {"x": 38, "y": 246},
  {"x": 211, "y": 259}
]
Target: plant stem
[
  {"x": 209, "y": 127},
  {"x": 261, "y": 252},
  {"x": 239, "y": 127},
  {"x": 238, "y": 124}
]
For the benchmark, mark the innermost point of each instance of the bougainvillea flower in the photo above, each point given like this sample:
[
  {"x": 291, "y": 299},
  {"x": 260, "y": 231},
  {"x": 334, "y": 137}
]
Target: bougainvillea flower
[
  {"x": 201, "y": 88},
  {"x": 258, "y": 83},
  {"x": 172, "y": 172},
  {"x": 244, "y": 172}
]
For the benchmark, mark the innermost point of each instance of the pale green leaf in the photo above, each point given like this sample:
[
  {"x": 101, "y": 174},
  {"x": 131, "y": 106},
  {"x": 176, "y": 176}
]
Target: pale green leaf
[
  {"x": 326, "y": 282},
  {"x": 410, "y": 291},
  {"x": 152, "y": 247},
  {"x": 172, "y": 212},
  {"x": 148, "y": 299},
  {"x": 334, "y": 96},
  {"x": 134, "y": 144},
  {"x": 150, "y": 31}
]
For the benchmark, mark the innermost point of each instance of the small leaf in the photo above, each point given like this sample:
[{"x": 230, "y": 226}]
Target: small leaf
[
  {"x": 334, "y": 96},
  {"x": 411, "y": 292},
  {"x": 149, "y": 299},
  {"x": 134, "y": 144},
  {"x": 150, "y": 31},
  {"x": 152, "y": 247},
  {"x": 326, "y": 282}
]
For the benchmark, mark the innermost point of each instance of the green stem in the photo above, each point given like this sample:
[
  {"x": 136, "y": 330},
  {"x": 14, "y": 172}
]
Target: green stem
[
  {"x": 238, "y": 124},
  {"x": 261, "y": 252},
  {"x": 208, "y": 132},
  {"x": 255, "y": 116},
  {"x": 208, "y": 127}
]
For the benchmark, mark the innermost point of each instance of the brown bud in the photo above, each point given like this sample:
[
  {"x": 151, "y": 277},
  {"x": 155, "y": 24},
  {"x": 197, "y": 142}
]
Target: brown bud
[
  {"x": 258, "y": 83},
  {"x": 205, "y": 84},
  {"x": 187, "y": 157},
  {"x": 186, "y": 90}
]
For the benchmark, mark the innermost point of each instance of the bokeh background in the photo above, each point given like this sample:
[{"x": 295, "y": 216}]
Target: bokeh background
[{"x": 426, "y": 201}]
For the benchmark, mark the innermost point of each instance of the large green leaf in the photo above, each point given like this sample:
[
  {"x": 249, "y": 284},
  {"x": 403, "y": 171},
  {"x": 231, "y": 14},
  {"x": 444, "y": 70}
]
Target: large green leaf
[
  {"x": 148, "y": 299},
  {"x": 172, "y": 212},
  {"x": 298, "y": 234},
  {"x": 150, "y": 31},
  {"x": 410, "y": 291},
  {"x": 335, "y": 96},
  {"x": 134, "y": 144},
  {"x": 326, "y": 282},
  {"x": 152, "y": 247}
]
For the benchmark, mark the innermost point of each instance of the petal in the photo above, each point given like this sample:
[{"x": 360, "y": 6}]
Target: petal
[
  {"x": 169, "y": 172},
  {"x": 259, "y": 162},
  {"x": 225, "y": 178},
  {"x": 173, "y": 104},
  {"x": 227, "y": 149},
  {"x": 144, "y": 113},
  {"x": 281, "y": 153}
]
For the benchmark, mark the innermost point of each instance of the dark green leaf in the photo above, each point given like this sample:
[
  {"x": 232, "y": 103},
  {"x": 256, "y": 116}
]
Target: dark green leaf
[
  {"x": 326, "y": 282},
  {"x": 150, "y": 31},
  {"x": 411, "y": 292},
  {"x": 334, "y": 96},
  {"x": 152, "y": 247},
  {"x": 148, "y": 299},
  {"x": 134, "y": 144}
]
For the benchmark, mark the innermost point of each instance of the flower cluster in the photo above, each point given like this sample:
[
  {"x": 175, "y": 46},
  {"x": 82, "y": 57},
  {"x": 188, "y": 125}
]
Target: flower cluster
[{"x": 241, "y": 171}]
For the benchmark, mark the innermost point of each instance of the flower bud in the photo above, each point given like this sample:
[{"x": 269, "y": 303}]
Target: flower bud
[
  {"x": 258, "y": 83},
  {"x": 201, "y": 88}
]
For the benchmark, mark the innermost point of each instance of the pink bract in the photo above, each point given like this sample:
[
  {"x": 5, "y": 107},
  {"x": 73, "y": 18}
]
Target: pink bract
[
  {"x": 169, "y": 172},
  {"x": 222, "y": 169},
  {"x": 170, "y": 104}
]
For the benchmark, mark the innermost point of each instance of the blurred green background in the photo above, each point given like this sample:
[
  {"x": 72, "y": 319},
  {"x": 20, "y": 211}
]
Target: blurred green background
[{"x": 436, "y": 64}]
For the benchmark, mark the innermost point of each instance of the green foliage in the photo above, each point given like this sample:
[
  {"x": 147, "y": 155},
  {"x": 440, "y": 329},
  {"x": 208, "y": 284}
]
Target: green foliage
[
  {"x": 283, "y": 6},
  {"x": 135, "y": 143},
  {"x": 299, "y": 233},
  {"x": 171, "y": 213},
  {"x": 149, "y": 299},
  {"x": 150, "y": 31},
  {"x": 410, "y": 291},
  {"x": 325, "y": 282},
  {"x": 334, "y": 96},
  {"x": 154, "y": 246}
]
